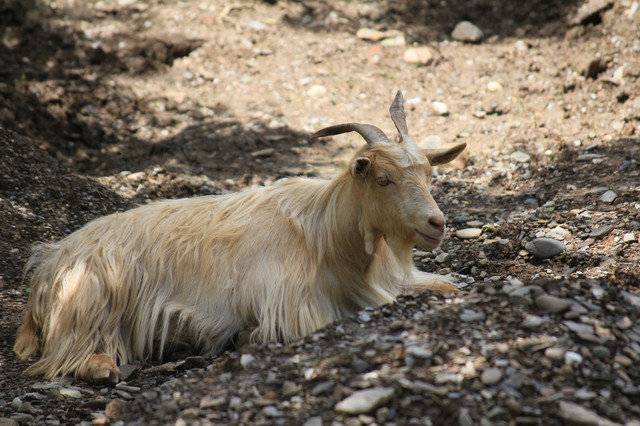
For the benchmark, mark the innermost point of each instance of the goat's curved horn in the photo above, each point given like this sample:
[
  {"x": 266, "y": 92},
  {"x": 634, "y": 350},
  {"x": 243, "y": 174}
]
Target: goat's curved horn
[
  {"x": 371, "y": 134},
  {"x": 396, "y": 111}
]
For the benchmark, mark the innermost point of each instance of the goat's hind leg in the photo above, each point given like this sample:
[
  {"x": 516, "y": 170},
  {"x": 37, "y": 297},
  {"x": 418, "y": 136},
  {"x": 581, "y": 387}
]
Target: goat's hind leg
[
  {"x": 439, "y": 284},
  {"x": 99, "y": 368}
]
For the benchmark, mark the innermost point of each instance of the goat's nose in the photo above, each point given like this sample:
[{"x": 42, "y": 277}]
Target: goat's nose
[{"x": 437, "y": 221}]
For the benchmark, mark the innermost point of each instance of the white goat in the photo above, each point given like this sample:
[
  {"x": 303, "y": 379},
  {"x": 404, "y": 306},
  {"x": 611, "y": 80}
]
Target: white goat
[{"x": 281, "y": 261}]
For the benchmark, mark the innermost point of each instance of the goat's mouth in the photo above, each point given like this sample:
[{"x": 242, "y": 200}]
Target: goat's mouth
[{"x": 432, "y": 242}]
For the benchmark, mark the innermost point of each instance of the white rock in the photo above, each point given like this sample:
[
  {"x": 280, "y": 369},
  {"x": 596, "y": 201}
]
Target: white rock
[
  {"x": 577, "y": 414},
  {"x": 313, "y": 421},
  {"x": 440, "y": 107},
  {"x": 491, "y": 376},
  {"x": 520, "y": 156},
  {"x": 468, "y": 233},
  {"x": 466, "y": 31},
  {"x": 316, "y": 90},
  {"x": 135, "y": 177},
  {"x": 520, "y": 46},
  {"x": 608, "y": 197},
  {"x": 418, "y": 55},
  {"x": 267, "y": 152},
  {"x": 629, "y": 237},
  {"x": 365, "y": 401},
  {"x": 70, "y": 393},
  {"x": 572, "y": 358},
  {"x": 370, "y": 34},
  {"x": 247, "y": 360},
  {"x": 555, "y": 354},
  {"x": 494, "y": 86}
]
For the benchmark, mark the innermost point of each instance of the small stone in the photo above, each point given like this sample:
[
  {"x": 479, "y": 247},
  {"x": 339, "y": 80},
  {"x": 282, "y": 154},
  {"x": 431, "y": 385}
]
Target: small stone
[
  {"x": 289, "y": 388},
  {"x": 442, "y": 257},
  {"x": 584, "y": 394},
  {"x": 601, "y": 231},
  {"x": 262, "y": 153},
  {"x": 322, "y": 387},
  {"x": 494, "y": 86},
  {"x": 624, "y": 323},
  {"x": 572, "y": 358},
  {"x": 313, "y": 421},
  {"x": 4, "y": 421},
  {"x": 491, "y": 376},
  {"x": 127, "y": 388},
  {"x": 365, "y": 401},
  {"x": 419, "y": 352},
  {"x": 468, "y": 233},
  {"x": 554, "y": 353},
  {"x": 271, "y": 411},
  {"x": 128, "y": 371},
  {"x": 440, "y": 108},
  {"x": 114, "y": 409},
  {"x": 520, "y": 157},
  {"x": 70, "y": 393},
  {"x": 533, "y": 321},
  {"x": 545, "y": 248},
  {"x": 370, "y": 34},
  {"x": 194, "y": 362},
  {"x": 628, "y": 237},
  {"x": 247, "y": 361},
  {"x": 575, "y": 413},
  {"x": 466, "y": 31},
  {"x": 608, "y": 197},
  {"x": 418, "y": 55},
  {"x": 552, "y": 304},
  {"x": 316, "y": 90},
  {"x": 208, "y": 402},
  {"x": 469, "y": 315}
]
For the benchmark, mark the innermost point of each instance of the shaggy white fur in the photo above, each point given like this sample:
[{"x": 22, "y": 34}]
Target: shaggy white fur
[{"x": 280, "y": 261}]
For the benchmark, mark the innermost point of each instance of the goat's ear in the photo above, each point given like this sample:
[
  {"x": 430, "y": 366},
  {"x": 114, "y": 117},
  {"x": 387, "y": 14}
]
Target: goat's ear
[
  {"x": 361, "y": 166},
  {"x": 444, "y": 155}
]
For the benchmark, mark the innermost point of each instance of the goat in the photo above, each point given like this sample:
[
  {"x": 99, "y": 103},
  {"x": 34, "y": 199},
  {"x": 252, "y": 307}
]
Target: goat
[{"x": 278, "y": 261}]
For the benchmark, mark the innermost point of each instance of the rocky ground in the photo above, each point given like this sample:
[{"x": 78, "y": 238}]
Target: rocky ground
[{"x": 108, "y": 104}]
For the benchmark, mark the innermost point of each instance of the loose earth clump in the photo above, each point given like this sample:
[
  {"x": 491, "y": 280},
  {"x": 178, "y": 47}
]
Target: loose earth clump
[{"x": 115, "y": 103}]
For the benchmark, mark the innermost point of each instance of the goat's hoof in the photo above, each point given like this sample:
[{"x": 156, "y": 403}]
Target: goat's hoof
[
  {"x": 442, "y": 287},
  {"x": 100, "y": 368}
]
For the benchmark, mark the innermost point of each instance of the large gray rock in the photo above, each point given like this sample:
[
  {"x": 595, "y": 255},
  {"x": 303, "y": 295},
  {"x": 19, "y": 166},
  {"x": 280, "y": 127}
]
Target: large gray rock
[
  {"x": 544, "y": 248},
  {"x": 466, "y": 31},
  {"x": 365, "y": 401}
]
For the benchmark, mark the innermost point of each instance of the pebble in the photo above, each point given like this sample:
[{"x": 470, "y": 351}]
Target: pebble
[
  {"x": 313, "y": 421},
  {"x": 317, "y": 90},
  {"x": 491, "y": 376},
  {"x": 208, "y": 402},
  {"x": 4, "y": 421},
  {"x": 466, "y": 31},
  {"x": 271, "y": 411},
  {"x": 370, "y": 34},
  {"x": 545, "y": 248},
  {"x": 442, "y": 257},
  {"x": 552, "y": 304},
  {"x": 365, "y": 401},
  {"x": 575, "y": 413},
  {"x": 70, "y": 393},
  {"x": 533, "y": 321},
  {"x": 419, "y": 352},
  {"x": 136, "y": 177},
  {"x": 520, "y": 157},
  {"x": 469, "y": 315},
  {"x": 262, "y": 153},
  {"x": 247, "y": 361},
  {"x": 440, "y": 108},
  {"x": 572, "y": 358},
  {"x": 608, "y": 197},
  {"x": 468, "y": 233},
  {"x": 554, "y": 353},
  {"x": 601, "y": 231},
  {"x": 418, "y": 55},
  {"x": 494, "y": 86},
  {"x": 629, "y": 237}
]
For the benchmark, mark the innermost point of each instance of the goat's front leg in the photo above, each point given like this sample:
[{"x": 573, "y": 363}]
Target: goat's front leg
[{"x": 439, "y": 284}]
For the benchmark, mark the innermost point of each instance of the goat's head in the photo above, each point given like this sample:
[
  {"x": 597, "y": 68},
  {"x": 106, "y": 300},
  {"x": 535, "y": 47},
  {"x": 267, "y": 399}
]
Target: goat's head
[{"x": 393, "y": 180}]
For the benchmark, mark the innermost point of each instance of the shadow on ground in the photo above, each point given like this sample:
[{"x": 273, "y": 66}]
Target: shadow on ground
[{"x": 425, "y": 21}]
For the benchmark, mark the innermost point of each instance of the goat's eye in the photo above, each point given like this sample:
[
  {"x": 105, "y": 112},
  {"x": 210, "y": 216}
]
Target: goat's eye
[{"x": 383, "y": 180}]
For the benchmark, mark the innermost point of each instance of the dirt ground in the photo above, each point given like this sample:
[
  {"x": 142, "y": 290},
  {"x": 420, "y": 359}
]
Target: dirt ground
[{"x": 109, "y": 104}]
